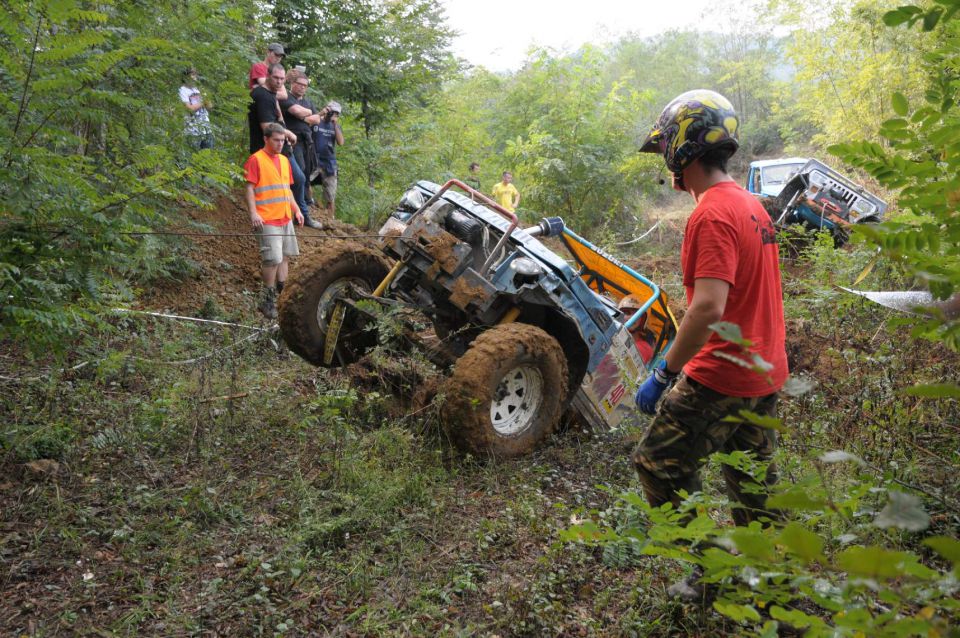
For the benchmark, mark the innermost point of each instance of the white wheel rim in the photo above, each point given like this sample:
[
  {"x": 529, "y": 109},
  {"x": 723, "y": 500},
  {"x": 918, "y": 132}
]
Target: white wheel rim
[
  {"x": 334, "y": 291},
  {"x": 517, "y": 400}
]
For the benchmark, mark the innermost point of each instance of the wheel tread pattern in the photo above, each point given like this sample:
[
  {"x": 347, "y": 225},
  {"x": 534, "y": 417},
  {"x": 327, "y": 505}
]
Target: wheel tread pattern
[
  {"x": 308, "y": 279},
  {"x": 470, "y": 388}
]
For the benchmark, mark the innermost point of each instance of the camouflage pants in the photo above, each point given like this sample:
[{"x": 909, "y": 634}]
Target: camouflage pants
[{"x": 688, "y": 428}]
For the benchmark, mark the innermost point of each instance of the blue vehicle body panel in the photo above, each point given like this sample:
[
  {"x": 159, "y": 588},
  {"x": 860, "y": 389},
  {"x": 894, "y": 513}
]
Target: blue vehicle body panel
[{"x": 595, "y": 319}]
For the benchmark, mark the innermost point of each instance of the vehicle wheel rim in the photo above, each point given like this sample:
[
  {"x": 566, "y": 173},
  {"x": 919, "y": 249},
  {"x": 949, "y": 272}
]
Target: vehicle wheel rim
[
  {"x": 339, "y": 289},
  {"x": 517, "y": 400}
]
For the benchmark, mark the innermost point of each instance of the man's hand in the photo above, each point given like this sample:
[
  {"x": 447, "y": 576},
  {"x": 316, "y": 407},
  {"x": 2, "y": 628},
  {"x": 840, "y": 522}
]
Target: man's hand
[
  {"x": 291, "y": 137},
  {"x": 299, "y": 217},
  {"x": 650, "y": 390},
  {"x": 255, "y": 221}
]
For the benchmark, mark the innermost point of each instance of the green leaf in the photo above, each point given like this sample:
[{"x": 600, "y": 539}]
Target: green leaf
[
  {"x": 900, "y": 15},
  {"x": 802, "y": 542},
  {"x": 874, "y": 562},
  {"x": 794, "y": 617},
  {"x": 900, "y": 105},
  {"x": 904, "y": 511},
  {"x": 759, "y": 420},
  {"x": 730, "y": 332},
  {"x": 796, "y": 498},
  {"x": 753, "y": 543},
  {"x": 931, "y": 19},
  {"x": 935, "y": 391},
  {"x": 738, "y": 613},
  {"x": 947, "y": 547},
  {"x": 587, "y": 532}
]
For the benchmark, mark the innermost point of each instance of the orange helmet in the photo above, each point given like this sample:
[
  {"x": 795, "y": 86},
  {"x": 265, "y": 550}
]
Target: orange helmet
[{"x": 630, "y": 302}]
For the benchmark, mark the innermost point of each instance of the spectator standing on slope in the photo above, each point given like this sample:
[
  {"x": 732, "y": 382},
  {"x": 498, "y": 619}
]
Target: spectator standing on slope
[
  {"x": 270, "y": 203},
  {"x": 259, "y": 70},
  {"x": 505, "y": 193},
  {"x": 198, "y": 119},
  {"x": 327, "y": 136},
  {"x": 299, "y": 114},
  {"x": 264, "y": 110},
  {"x": 473, "y": 177}
]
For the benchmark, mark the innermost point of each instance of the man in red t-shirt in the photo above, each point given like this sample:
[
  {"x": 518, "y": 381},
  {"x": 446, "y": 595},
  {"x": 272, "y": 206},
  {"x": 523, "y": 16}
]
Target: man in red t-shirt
[
  {"x": 259, "y": 70},
  {"x": 731, "y": 273}
]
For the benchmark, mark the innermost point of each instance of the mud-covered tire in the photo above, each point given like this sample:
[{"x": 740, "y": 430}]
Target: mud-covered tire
[
  {"x": 507, "y": 392},
  {"x": 310, "y": 295}
]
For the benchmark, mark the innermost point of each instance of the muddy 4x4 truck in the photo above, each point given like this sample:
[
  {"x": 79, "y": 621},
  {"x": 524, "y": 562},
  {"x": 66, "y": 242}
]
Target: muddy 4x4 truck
[
  {"x": 524, "y": 334},
  {"x": 808, "y": 192}
]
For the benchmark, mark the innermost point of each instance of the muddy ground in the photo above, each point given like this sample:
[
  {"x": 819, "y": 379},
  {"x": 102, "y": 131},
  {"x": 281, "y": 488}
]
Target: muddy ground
[{"x": 227, "y": 262}]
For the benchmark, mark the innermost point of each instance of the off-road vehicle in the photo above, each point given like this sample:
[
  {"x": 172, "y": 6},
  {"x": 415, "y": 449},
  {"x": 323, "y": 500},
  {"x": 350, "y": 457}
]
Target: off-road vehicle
[
  {"x": 525, "y": 335},
  {"x": 813, "y": 194}
]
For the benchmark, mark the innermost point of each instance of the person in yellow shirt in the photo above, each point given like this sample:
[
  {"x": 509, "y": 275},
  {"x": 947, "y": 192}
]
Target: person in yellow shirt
[{"x": 505, "y": 193}]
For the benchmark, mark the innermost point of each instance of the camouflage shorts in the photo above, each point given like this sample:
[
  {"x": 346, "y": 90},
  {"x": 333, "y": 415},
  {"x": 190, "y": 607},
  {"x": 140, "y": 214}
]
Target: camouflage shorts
[{"x": 688, "y": 428}]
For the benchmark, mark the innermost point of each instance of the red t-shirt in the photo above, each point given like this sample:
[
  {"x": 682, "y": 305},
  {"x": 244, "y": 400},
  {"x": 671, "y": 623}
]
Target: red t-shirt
[
  {"x": 251, "y": 170},
  {"x": 257, "y": 71},
  {"x": 729, "y": 236}
]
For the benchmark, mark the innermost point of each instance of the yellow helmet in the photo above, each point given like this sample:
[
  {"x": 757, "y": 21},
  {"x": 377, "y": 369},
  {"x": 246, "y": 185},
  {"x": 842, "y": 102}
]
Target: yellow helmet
[{"x": 692, "y": 124}]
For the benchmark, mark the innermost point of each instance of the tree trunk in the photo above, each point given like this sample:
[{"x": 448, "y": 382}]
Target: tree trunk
[{"x": 369, "y": 167}]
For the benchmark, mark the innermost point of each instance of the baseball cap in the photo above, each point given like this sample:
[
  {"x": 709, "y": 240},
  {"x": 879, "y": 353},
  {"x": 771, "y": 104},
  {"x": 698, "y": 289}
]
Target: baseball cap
[
  {"x": 335, "y": 107},
  {"x": 277, "y": 48}
]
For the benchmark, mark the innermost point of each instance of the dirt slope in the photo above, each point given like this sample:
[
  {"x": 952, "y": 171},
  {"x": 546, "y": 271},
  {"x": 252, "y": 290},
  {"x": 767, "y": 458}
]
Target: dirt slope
[{"x": 228, "y": 261}]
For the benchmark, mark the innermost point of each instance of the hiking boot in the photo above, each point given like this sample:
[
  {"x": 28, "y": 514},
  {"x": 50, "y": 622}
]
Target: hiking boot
[
  {"x": 268, "y": 306},
  {"x": 312, "y": 223},
  {"x": 691, "y": 590}
]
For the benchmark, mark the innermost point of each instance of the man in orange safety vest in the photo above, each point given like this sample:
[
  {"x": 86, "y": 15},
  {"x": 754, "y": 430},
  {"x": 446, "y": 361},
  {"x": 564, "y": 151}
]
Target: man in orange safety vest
[{"x": 270, "y": 203}]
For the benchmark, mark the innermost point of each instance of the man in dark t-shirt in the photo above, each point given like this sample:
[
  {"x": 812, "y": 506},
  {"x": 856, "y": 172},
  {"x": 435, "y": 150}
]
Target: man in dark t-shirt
[
  {"x": 264, "y": 109},
  {"x": 299, "y": 113}
]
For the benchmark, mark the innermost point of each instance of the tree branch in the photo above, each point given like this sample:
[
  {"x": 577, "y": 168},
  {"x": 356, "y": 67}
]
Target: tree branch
[{"x": 26, "y": 83}]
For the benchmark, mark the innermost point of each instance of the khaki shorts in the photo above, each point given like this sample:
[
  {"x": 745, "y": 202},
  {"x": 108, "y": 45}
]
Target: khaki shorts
[
  {"x": 277, "y": 242},
  {"x": 328, "y": 182}
]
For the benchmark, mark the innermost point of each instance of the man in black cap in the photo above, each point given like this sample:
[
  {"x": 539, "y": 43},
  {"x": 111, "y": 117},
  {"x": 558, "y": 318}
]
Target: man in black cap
[{"x": 258, "y": 72}]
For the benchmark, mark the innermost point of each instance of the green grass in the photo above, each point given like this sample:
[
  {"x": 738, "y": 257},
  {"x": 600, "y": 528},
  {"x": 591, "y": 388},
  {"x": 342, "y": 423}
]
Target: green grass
[{"x": 309, "y": 506}]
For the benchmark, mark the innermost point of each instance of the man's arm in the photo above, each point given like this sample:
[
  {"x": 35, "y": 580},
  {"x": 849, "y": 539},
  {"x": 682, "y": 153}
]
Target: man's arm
[
  {"x": 255, "y": 220},
  {"x": 297, "y": 215},
  {"x": 706, "y": 307},
  {"x": 516, "y": 198},
  {"x": 302, "y": 113},
  {"x": 338, "y": 132}
]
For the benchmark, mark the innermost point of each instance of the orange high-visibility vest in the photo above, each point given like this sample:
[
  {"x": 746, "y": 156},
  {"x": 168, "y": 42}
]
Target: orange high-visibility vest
[{"x": 273, "y": 192}]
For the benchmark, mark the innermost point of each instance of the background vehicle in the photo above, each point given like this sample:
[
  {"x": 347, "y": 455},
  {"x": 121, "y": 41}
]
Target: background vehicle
[
  {"x": 768, "y": 177},
  {"x": 524, "y": 333},
  {"x": 818, "y": 197}
]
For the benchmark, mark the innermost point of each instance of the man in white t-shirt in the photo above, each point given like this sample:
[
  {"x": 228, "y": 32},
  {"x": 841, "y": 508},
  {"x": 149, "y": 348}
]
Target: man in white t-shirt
[{"x": 198, "y": 121}]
